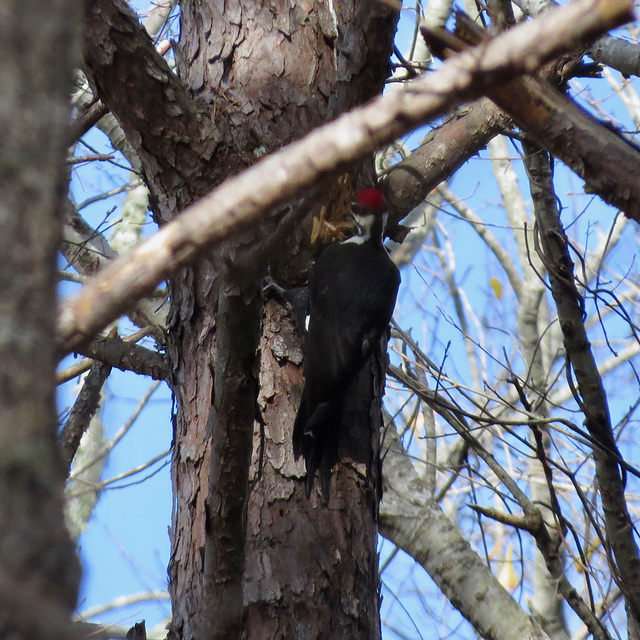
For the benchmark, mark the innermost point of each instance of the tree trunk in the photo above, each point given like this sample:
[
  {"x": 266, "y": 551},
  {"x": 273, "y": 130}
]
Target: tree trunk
[
  {"x": 249, "y": 552},
  {"x": 39, "y": 572},
  {"x": 312, "y": 567}
]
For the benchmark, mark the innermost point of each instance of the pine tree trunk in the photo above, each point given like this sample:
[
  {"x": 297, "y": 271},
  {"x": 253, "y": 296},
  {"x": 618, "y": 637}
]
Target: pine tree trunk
[
  {"x": 312, "y": 566},
  {"x": 250, "y": 555}
]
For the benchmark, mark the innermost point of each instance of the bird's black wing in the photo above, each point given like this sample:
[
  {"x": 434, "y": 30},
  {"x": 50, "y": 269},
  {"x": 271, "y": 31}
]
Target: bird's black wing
[{"x": 350, "y": 308}]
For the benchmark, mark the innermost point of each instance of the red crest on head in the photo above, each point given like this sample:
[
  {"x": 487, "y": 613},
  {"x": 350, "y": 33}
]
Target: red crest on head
[{"x": 373, "y": 200}]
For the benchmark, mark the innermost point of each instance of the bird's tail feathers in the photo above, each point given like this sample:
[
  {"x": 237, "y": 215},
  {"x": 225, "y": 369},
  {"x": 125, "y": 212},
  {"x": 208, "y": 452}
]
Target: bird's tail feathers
[{"x": 315, "y": 440}]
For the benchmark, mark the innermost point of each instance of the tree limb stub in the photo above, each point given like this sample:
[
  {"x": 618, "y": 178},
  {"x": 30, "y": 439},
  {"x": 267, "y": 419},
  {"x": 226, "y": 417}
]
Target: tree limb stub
[
  {"x": 127, "y": 356},
  {"x": 240, "y": 201},
  {"x": 412, "y": 179}
]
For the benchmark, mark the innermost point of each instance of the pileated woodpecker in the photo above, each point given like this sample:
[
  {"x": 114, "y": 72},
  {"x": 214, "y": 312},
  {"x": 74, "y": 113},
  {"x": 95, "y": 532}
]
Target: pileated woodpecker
[{"x": 352, "y": 292}]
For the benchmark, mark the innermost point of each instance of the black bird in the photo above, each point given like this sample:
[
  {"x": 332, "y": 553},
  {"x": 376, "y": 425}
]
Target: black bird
[{"x": 352, "y": 292}]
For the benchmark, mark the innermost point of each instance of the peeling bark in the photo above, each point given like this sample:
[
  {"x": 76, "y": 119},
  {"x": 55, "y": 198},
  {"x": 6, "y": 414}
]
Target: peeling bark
[
  {"x": 312, "y": 567},
  {"x": 269, "y": 75}
]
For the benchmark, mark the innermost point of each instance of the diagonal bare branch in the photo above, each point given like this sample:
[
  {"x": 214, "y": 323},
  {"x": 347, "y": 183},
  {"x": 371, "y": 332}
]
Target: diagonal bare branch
[
  {"x": 414, "y": 522},
  {"x": 83, "y": 410},
  {"x": 240, "y": 202},
  {"x": 443, "y": 151},
  {"x": 88, "y": 251},
  {"x": 127, "y": 356}
]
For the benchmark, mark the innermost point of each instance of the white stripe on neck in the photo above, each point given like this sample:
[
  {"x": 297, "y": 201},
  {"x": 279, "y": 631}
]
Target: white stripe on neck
[
  {"x": 364, "y": 223},
  {"x": 355, "y": 240}
]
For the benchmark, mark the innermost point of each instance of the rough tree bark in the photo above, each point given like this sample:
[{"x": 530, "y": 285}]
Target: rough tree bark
[
  {"x": 252, "y": 77},
  {"x": 269, "y": 75},
  {"x": 39, "y": 572}
]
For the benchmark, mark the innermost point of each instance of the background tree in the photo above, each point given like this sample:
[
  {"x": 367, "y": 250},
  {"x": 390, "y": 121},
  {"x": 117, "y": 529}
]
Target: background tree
[
  {"x": 38, "y": 567},
  {"x": 249, "y": 554}
]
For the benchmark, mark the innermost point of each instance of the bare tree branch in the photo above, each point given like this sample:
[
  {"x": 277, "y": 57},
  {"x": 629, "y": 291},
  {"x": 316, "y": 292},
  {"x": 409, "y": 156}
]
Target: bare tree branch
[
  {"x": 412, "y": 520},
  {"x": 609, "y": 50},
  {"x": 84, "y": 408},
  {"x": 88, "y": 251},
  {"x": 605, "y": 159},
  {"x": 239, "y": 203},
  {"x": 87, "y": 118},
  {"x": 532, "y": 519},
  {"x": 501, "y": 254},
  {"x": 83, "y": 365},
  {"x": 156, "y": 112},
  {"x": 592, "y": 396},
  {"x": 618, "y": 54},
  {"x": 123, "y": 601},
  {"x": 107, "y": 448},
  {"x": 441, "y": 153},
  {"x": 90, "y": 109},
  {"x": 127, "y": 356}
]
